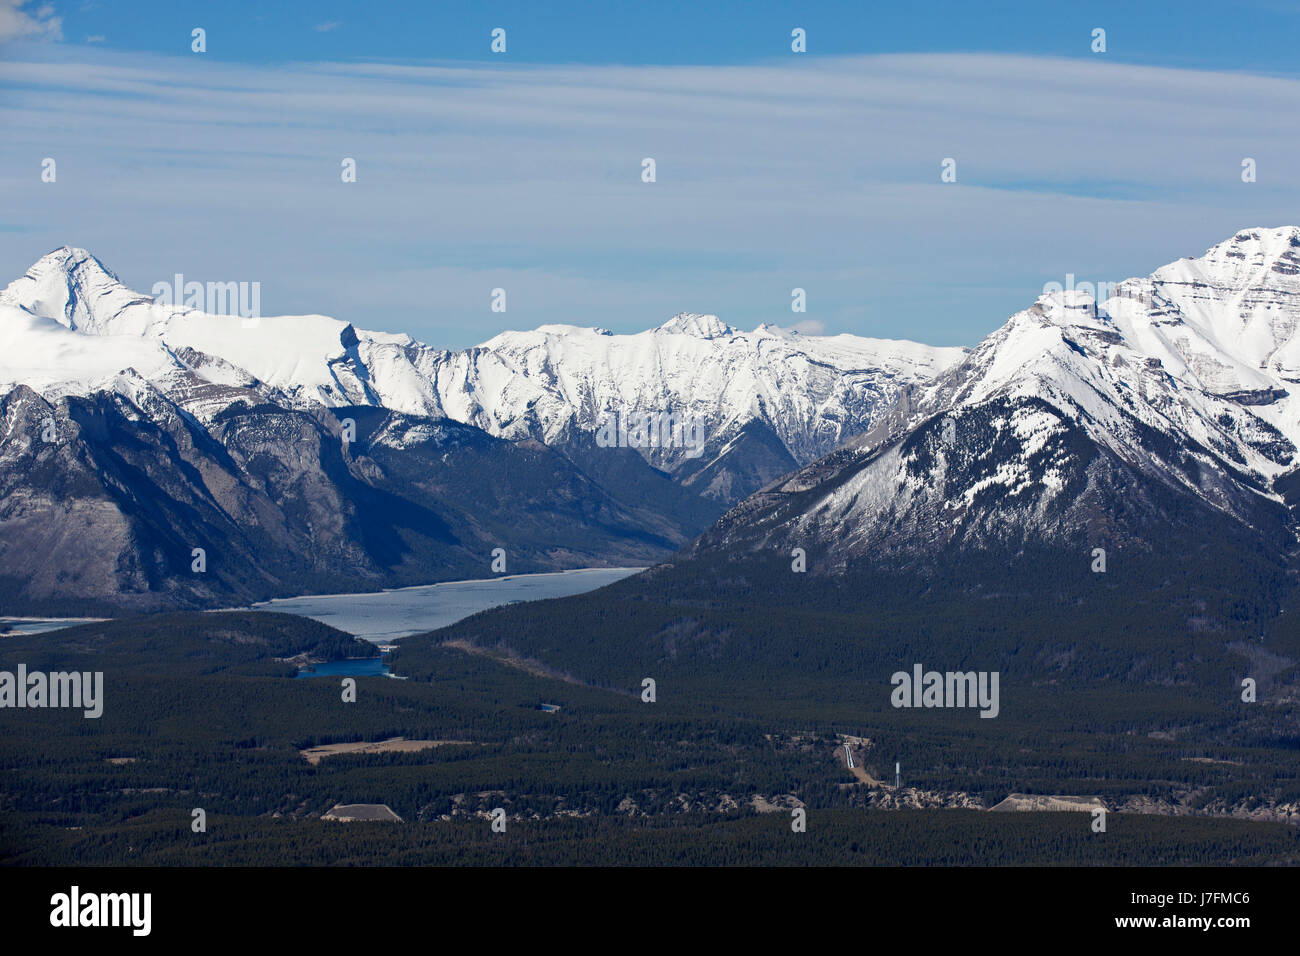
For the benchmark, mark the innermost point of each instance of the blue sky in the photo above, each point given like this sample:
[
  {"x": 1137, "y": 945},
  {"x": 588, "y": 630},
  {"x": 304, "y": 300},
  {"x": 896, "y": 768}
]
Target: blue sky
[
  {"x": 1257, "y": 35},
  {"x": 775, "y": 170}
]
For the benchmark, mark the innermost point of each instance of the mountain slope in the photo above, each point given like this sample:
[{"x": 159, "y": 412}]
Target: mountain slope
[
  {"x": 1157, "y": 421},
  {"x": 748, "y": 459}
]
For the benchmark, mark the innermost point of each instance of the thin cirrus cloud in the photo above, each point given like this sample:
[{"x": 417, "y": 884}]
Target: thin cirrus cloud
[{"x": 822, "y": 174}]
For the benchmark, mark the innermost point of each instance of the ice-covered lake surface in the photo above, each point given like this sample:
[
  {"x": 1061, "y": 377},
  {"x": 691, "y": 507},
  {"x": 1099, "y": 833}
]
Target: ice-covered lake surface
[
  {"x": 383, "y": 616},
  {"x": 38, "y": 625}
]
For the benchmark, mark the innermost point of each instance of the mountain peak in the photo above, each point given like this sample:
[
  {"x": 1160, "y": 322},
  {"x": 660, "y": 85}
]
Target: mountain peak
[
  {"x": 71, "y": 286},
  {"x": 1276, "y": 238},
  {"x": 701, "y": 326},
  {"x": 1242, "y": 260},
  {"x": 71, "y": 257},
  {"x": 74, "y": 263}
]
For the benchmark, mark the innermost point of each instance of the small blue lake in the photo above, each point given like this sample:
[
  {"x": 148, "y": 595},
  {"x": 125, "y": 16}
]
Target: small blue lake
[{"x": 367, "y": 667}]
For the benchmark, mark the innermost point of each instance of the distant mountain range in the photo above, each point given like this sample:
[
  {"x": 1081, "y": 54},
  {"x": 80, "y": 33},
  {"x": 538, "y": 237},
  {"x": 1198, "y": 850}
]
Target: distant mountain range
[
  {"x": 137, "y": 430},
  {"x": 301, "y": 453}
]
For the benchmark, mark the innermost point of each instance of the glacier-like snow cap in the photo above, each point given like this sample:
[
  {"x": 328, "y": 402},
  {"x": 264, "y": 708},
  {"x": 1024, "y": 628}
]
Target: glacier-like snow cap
[
  {"x": 72, "y": 287},
  {"x": 701, "y": 326}
]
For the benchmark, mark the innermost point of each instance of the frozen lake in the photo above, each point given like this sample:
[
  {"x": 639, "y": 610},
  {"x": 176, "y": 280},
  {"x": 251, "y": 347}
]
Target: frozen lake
[
  {"x": 383, "y": 616},
  {"x": 39, "y": 625}
]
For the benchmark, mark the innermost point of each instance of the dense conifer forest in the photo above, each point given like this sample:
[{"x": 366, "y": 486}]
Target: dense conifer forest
[{"x": 204, "y": 711}]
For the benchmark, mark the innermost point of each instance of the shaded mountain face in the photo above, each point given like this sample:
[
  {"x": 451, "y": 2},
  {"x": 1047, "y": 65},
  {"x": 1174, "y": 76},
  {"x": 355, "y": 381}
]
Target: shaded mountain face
[
  {"x": 108, "y": 513},
  {"x": 1138, "y": 424},
  {"x": 735, "y": 464}
]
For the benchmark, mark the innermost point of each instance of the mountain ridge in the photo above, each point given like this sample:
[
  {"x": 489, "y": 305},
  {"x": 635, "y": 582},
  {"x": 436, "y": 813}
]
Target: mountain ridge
[
  {"x": 511, "y": 386},
  {"x": 1120, "y": 421},
  {"x": 1170, "y": 390}
]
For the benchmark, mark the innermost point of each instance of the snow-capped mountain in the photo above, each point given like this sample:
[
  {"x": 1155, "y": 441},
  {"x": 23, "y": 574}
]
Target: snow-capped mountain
[
  {"x": 813, "y": 392},
  {"x": 1168, "y": 407},
  {"x": 83, "y": 326},
  {"x": 78, "y": 326}
]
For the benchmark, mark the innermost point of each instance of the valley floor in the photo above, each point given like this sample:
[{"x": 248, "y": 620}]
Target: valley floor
[{"x": 202, "y": 714}]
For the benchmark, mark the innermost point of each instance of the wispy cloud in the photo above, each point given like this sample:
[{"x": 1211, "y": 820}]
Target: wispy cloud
[
  {"x": 327, "y": 26},
  {"x": 808, "y": 327},
  {"x": 820, "y": 174},
  {"x": 39, "y": 23}
]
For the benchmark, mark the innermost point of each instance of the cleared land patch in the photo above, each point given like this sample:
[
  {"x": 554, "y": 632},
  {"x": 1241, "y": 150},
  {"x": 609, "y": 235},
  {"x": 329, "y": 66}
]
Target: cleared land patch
[
  {"x": 1055, "y": 802},
  {"x": 354, "y": 812},
  {"x": 315, "y": 755}
]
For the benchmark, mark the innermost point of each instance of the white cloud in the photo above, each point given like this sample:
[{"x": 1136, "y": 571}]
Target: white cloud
[
  {"x": 17, "y": 24},
  {"x": 821, "y": 174},
  {"x": 327, "y": 26}
]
